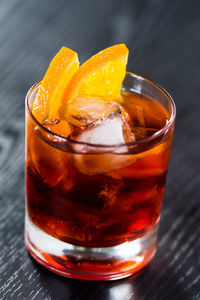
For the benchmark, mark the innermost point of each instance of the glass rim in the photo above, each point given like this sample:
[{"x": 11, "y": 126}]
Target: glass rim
[{"x": 141, "y": 142}]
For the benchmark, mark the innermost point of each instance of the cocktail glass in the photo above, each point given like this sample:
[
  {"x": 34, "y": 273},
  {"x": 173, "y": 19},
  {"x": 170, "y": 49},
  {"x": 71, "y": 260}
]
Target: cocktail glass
[{"x": 92, "y": 211}]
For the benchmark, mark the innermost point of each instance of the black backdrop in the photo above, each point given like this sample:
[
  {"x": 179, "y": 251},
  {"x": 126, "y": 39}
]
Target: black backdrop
[{"x": 164, "y": 42}]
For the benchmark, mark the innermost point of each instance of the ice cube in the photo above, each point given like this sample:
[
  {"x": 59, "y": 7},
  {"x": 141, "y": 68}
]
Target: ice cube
[
  {"x": 110, "y": 132},
  {"x": 87, "y": 109},
  {"x": 143, "y": 132}
]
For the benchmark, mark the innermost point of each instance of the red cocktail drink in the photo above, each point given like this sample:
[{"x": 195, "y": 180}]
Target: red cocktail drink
[{"x": 93, "y": 208}]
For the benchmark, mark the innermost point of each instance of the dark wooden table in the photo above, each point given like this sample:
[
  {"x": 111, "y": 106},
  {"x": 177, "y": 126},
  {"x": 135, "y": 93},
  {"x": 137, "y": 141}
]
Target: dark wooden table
[{"x": 164, "y": 42}]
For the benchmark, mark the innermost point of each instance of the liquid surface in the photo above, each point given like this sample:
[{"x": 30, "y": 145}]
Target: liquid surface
[{"x": 90, "y": 118}]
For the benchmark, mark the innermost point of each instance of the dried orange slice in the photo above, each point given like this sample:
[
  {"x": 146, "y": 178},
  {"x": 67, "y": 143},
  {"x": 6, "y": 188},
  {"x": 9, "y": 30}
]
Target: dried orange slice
[
  {"x": 51, "y": 90},
  {"x": 101, "y": 75}
]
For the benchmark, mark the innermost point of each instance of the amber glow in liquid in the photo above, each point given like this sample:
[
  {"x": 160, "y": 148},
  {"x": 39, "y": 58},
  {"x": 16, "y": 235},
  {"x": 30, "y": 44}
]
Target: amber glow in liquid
[{"x": 99, "y": 200}]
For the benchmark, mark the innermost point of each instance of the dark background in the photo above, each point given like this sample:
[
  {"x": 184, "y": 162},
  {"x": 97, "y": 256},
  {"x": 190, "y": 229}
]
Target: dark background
[{"x": 164, "y": 42}]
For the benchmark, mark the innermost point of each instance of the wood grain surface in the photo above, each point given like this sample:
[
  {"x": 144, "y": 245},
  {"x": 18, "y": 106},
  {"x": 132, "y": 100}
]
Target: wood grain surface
[{"x": 164, "y": 42}]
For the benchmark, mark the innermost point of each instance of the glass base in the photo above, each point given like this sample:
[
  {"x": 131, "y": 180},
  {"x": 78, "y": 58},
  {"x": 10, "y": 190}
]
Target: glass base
[{"x": 89, "y": 263}]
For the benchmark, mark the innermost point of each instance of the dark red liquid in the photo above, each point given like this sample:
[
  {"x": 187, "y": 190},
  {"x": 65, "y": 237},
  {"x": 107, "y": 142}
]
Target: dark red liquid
[{"x": 102, "y": 199}]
